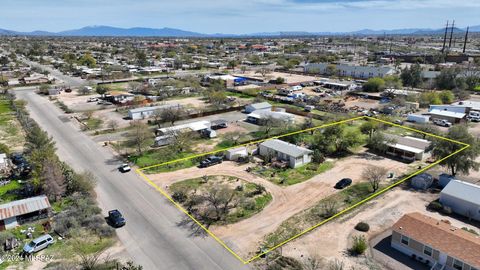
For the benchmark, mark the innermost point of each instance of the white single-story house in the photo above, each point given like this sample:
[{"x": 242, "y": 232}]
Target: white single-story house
[
  {"x": 259, "y": 117},
  {"x": 436, "y": 243},
  {"x": 258, "y": 106},
  {"x": 406, "y": 147},
  {"x": 165, "y": 136},
  {"x": 236, "y": 153},
  {"x": 463, "y": 198},
  {"x": 296, "y": 156},
  {"x": 18, "y": 212},
  {"x": 145, "y": 112}
]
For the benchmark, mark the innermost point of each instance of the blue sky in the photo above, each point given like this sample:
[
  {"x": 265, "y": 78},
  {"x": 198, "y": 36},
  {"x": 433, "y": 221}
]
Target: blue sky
[{"x": 237, "y": 16}]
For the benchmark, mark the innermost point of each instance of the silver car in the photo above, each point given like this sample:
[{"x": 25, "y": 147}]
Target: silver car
[{"x": 38, "y": 244}]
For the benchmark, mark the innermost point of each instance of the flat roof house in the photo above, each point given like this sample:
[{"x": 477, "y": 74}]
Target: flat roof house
[
  {"x": 407, "y": 148},
  {"x": 259, "y": 117},
  {"x": 436, "y": 242},
  {"x": 18, "y": 212},
  {"x": 296, "y": 156},
  {"x": 453, "y": 114},
  {"x": 463, "y": 198},
  {"x": 145, "y": 112},
  {"x": 258, "y": 106}
]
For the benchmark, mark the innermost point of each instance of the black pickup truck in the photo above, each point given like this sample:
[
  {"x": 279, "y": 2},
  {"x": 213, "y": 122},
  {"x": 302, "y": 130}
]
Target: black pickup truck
[{"x": 210, "y": 161}]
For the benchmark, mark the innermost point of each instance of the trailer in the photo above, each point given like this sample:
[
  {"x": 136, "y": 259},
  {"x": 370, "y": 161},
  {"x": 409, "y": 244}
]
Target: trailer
[{"x": 418, "y": 118}]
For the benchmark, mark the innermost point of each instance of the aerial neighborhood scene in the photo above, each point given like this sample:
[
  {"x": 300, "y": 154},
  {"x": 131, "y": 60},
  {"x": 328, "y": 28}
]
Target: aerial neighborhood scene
[{"x": 284, "y": 134}]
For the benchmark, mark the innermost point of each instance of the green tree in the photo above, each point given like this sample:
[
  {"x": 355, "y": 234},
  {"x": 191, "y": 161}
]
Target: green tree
[
  {"x": 374, "y": 85},
  {"x": 447, "y": 96},
  {"x": 88, "y": 60},
  {"x": 141, "y": 58},
  {"x": 464, "y": 161},
  {"x": 102, "y": 89},
  {"x": 412, "y": 76},
  {"x": 393, "y": 82},
  {"x": 369, "y": 128}
]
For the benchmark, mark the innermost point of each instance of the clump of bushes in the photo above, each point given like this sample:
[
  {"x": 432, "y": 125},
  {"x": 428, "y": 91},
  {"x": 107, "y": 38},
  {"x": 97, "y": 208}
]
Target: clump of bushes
[
  {"x": 359, "y": 245},
  {"x": 362, "y": 226},
  {"x": 82, "y": 214},
  {"x": 435, "y": 206}
]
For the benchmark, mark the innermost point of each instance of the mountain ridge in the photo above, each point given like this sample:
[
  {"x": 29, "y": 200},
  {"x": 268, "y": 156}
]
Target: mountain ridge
[{"x": 111, "y": 31}]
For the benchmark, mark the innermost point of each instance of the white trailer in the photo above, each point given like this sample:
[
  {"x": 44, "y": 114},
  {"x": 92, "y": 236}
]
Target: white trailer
[{"x": 417, "y": 118}]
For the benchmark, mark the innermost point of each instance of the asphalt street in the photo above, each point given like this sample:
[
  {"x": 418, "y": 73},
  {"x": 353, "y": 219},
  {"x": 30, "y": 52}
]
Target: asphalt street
[{"x": 152, "y": 236}]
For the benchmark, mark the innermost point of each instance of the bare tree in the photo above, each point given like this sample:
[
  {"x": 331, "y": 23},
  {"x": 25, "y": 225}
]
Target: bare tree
[
  {"x": 269, "y": 122},
  {"x": 374, "y": 175},
  {"x": 140, "y": 136},
  {"x": 172, "y": 114},
  {"x": 53, "y": 178},
  {"x": 112, "y": 124}
]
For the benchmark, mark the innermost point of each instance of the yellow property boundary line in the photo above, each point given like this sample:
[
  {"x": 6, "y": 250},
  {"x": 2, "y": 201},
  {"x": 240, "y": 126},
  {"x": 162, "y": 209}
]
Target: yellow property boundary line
[{"x": 150, "y": 182}]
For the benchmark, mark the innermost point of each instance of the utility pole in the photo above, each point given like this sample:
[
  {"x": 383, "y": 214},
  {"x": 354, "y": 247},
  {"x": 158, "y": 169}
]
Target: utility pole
[
  {"x": 451, "y": 35},
  {"x": 445, "y": 38},
  {"x": 466, "y": 40}
]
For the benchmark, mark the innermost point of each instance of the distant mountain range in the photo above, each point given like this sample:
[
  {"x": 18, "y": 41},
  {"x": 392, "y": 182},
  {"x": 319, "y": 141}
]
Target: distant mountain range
[{"x": 109, "y": 31}]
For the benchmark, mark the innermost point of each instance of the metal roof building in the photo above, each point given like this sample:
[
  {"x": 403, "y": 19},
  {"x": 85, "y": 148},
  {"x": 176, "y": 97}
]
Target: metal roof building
[
  {"x": 463, "y": 198},
  {"x": 10, "y": 211}
]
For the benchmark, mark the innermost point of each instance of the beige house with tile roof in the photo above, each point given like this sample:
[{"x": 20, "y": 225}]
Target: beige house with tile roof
[{"x": 436, "y": 242}]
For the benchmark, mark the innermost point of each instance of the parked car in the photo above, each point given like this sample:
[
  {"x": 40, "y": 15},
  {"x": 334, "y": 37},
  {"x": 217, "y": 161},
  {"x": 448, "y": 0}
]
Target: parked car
[
  {"x": 309, "y": 108},
  {"x": 474, "y": 118},
  {"x": 116, "y": 219},
  {"x": 38, "y": 244},
  {"x": 345, "y": 182},
  {"x": 124, "y": 168},
  {"x": 442, "y": 122},
  {"x": 92, "y": 99},
  {"x": 210, "y": 161},
  {"x": 398, "y": 122}
]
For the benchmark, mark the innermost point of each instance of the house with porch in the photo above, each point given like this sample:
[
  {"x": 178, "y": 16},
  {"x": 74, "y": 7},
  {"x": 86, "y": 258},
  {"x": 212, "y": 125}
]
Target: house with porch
[
  {"x": 406, "y": 147},
  {"x": 435, "y": 242}
]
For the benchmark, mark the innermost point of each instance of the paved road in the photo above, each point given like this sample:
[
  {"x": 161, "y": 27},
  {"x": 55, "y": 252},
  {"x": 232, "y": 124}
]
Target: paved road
[{"x": 151, "y": 235}]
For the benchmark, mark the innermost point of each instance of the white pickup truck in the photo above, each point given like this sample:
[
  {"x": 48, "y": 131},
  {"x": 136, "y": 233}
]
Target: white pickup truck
[{"x": 442, "y": 122}]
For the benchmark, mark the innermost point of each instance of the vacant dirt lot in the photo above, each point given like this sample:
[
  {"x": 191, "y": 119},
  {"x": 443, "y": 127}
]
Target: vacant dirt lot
[
  {"x": 289, "y": 78},
  {"x": 244, "y": 236}
]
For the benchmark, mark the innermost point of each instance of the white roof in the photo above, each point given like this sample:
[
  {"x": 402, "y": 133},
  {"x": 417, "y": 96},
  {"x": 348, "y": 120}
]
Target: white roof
[
  {"x": 194, "y": 126},
  {"x": 286, "y": 148},
  {"x": 3, "y": 158},
  {"x": 475, "y": 105},
  {"x": 463, "y": 190},
  {"x": 276, "y": 115},
  {"x": 261, "y": 105},
  {"x": 447, "y": 113}
]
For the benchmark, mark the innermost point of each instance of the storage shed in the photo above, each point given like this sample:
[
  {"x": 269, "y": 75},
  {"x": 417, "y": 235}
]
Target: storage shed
[
  {"x": 18, "y": 212},
  {"x": 422, "y": 181}
]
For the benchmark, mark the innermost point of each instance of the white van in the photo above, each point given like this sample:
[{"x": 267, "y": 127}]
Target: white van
[{"x": 38, "y": 244}]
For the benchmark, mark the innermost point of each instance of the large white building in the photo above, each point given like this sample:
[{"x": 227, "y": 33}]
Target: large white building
[
  {"x": 362, "y": 72},
  {"x": 463, "y": 198}
]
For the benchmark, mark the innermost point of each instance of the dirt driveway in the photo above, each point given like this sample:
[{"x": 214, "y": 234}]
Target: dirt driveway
[{"x": 244, "y": 236}]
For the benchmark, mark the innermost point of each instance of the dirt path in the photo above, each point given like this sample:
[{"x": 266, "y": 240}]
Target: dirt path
[{"x": 244, "y": 236}]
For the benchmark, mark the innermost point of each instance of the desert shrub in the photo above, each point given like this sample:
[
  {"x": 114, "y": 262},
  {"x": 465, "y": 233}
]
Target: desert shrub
[
  {"x": 179, "y": 196},
  {"x": 105, "y": 231},
  {"x": 64, "y": 223},
  {"x": 285, "y": 263},
  {"x": 359, "y": 245},
  {"x": 470, "y": 230},
  {"x": 362, "y": 226},
  {"x": 435, "y": 206},
  {"x": 249, "y": 205},
  {"x": 447, "y": 210}
]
